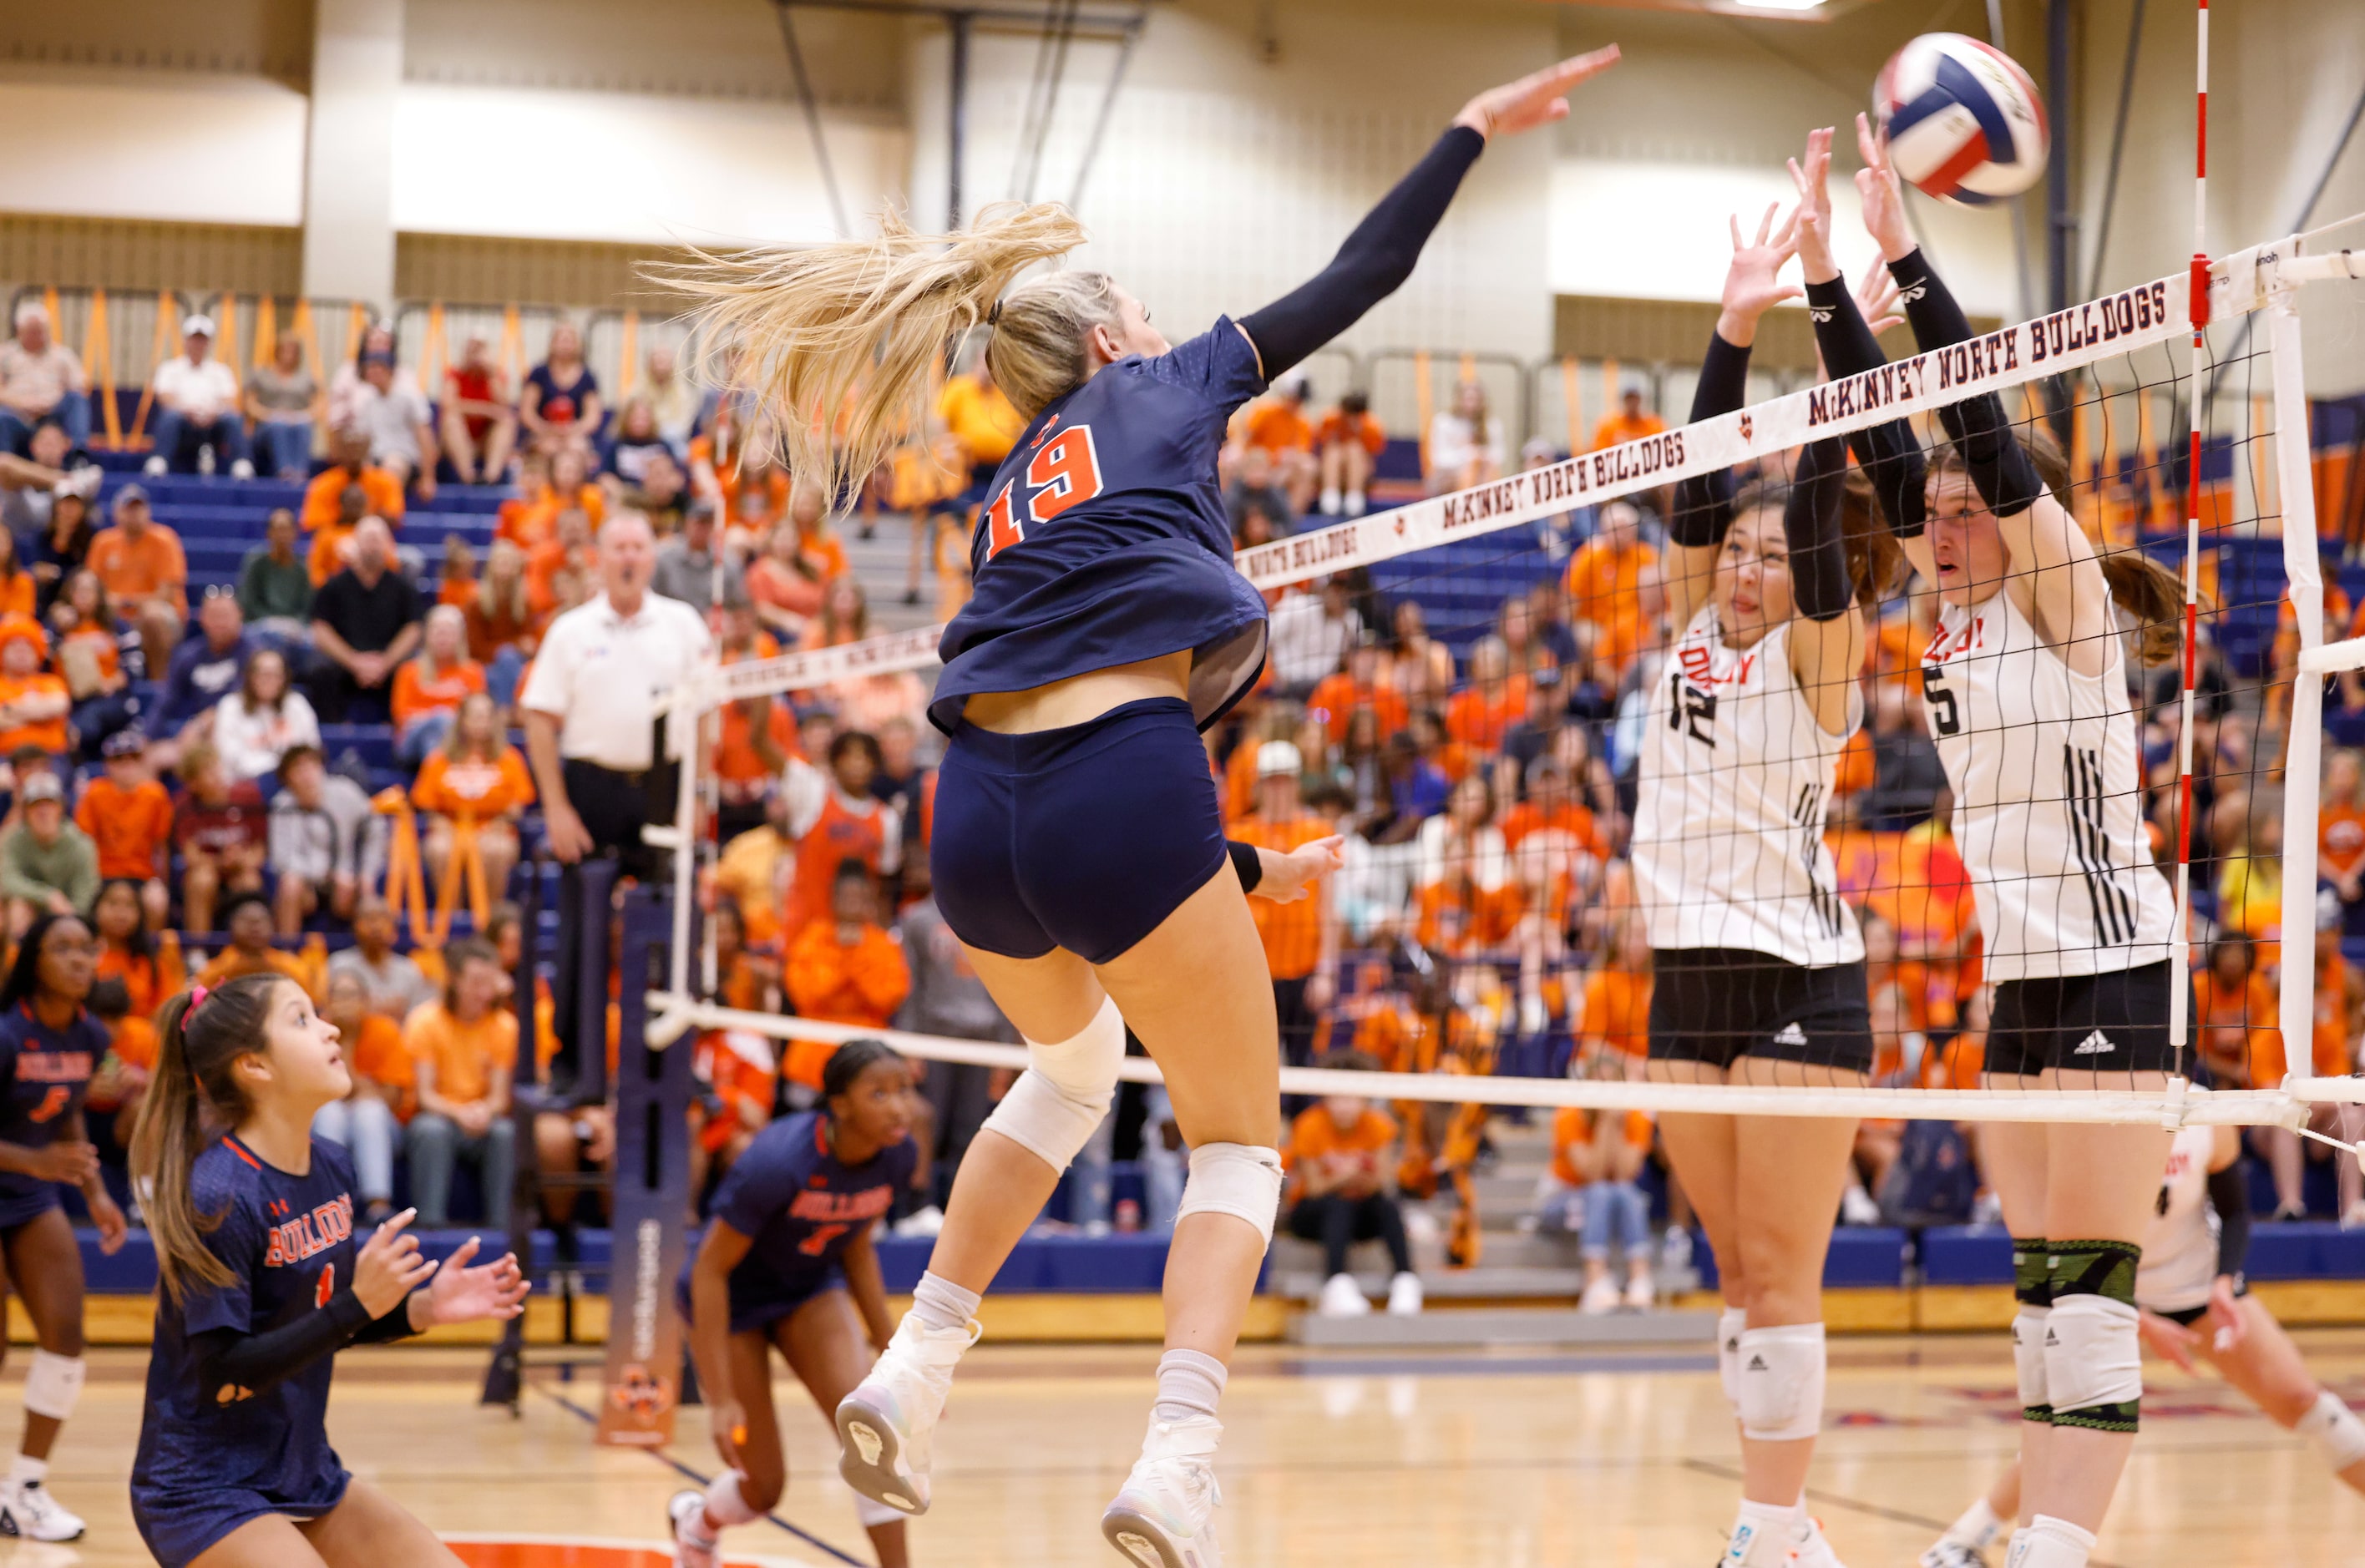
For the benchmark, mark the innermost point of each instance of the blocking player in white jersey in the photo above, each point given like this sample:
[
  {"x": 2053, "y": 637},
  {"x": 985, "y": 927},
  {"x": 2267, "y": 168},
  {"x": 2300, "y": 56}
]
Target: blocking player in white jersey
[
  {"x": 2195, "y": 1302},
  {"x": 2025, "y": 690},
  {"x": 1759, "y": 963}
]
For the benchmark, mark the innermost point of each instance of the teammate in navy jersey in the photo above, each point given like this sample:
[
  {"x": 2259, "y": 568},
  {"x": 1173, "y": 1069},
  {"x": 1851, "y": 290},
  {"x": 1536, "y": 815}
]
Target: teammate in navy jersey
[
  {"x": 49, "y": 1045},
  {"x": 788, "y": 1263},
  {"x": 1078, "y": 853},
  {"x": 263, "y": 1282}
]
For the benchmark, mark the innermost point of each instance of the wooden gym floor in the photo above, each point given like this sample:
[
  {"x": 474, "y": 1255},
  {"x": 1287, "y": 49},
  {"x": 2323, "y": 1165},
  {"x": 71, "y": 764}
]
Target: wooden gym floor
[{"x": 1380, "y": 1461}]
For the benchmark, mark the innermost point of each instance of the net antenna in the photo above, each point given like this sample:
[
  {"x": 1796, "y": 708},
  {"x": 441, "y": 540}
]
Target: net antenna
[{"x": 2112, "y": 328}]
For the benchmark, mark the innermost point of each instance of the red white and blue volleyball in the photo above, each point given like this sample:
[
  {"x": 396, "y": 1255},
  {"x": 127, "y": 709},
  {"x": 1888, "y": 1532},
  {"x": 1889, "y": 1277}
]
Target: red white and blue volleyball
[{"x": 1963, "y": 121}]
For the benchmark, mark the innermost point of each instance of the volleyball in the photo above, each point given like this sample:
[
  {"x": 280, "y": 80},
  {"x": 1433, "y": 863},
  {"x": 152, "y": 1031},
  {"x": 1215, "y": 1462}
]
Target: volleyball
[{"x": 1963, "y": 121}]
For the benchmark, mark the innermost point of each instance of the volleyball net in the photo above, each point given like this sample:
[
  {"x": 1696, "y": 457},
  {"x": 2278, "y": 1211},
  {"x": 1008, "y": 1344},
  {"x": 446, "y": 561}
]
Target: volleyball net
[{"x": 1484, "y": 742}]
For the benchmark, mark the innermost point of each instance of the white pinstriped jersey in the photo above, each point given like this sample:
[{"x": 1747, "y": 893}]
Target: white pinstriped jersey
[
  {"x": 2048, "y": 800},
  {"x": 1735, "y": 775},
  {"x": 2179, "y": 1246}
]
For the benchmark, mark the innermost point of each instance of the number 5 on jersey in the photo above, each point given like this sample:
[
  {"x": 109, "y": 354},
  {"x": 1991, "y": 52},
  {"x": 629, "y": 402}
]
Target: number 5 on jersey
[{"x": 1064, "y": 472}]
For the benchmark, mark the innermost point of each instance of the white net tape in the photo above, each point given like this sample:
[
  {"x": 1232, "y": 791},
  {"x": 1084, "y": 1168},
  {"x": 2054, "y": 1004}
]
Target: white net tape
[{"x": 2084, "y": 336}]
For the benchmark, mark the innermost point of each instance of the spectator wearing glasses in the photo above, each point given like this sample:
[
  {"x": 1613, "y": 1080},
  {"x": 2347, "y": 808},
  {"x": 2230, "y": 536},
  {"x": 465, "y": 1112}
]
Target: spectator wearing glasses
[
  {"x": 279, "y": 398},
  {"x": 40, "y": 379},
  {"x": 196, "y": 408}
]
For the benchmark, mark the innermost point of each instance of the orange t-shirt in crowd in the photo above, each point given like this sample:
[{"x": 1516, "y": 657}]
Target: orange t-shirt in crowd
[
  {"x": 230, "y": 964},
  {"x": 1397, "y": 1038},
  {"x": 861, "y": 984},
  {"x": 1277, "y": 427},
  {"x": 415, "y": 697},
  {"x": 734, "y": 1067},
  {"x": 465, "y": 1056},
  {"x": 105, "y": 658},
  {"x": 1602, "y": 580},
  {"x": 1292, "y": 933},
  {"x": 1335, "y": 428},
  {"x": 128, "y": 825},
  {"x": 1573, "y": 1129},
  {"x": 1316, "y": 1135},
  {"x": 49, "y": 733},
  {"x": 1618, "y": 428},
  {"x": 837, "y": 836},
  {"x": 2340, "y": 839},
  {"x": 324, "y": 497},
  {"x": 1577, "y": 821},
  {"x": 2251, "y": 1008},
  {"x": 382, "y": 1056},
  {"x": 1477, "y": 716},
  {"x": 2335, "y": 1044},
  {"x": 1616, "y": 1011},
  {"x": 483, "y": 790},
  {"x": 16, "y": 593},
  {"x": 740, "y": 775},
  {"x": 1336, "y": 697},
  {"x": 151, "y": 566},
  {"x": 147, "y": 982}
]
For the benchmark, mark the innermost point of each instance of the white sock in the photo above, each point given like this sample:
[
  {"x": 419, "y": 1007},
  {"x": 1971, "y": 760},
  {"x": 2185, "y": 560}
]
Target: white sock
[
  {"x": 939, "y": 1303},
  {"x": 1977, "y": 1528},
  {"x": 2334, "y": 1430},
  {"x": 1189, "y": 1384},
  {"x": 870, "y": 1515},
  {"x": 1354, "y": 503},
  {"x": 2049, "y": 1542},
  {"x": 726, "y": 1504},
  {"x": 1329, "y": 504},
  {"x": 27, "y": 1471},
  {"x": 1767, "y": 1543}
]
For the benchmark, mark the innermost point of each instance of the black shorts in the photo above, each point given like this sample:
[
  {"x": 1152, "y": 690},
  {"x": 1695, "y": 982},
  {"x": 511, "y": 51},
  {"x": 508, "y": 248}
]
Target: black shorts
[
  {"x": 1718, "y": 1004},
  {"x": 1084, "y": 838},
  {"x": 2187, "y": 1316},
  {"x": 2114, "y": 1022}
]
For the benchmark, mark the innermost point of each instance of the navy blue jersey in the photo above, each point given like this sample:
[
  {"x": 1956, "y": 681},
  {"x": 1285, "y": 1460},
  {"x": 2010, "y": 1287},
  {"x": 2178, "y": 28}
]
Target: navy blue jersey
[
  {"x": 44, "y": 1073},
  {"x": 288, "y": 1242},
  {"x": 1103, "y": 539},
  {"x": 802, "y": 1208}
]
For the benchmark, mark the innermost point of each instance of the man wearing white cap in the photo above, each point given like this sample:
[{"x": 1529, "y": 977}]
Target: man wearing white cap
[{"x": 196, "y": 407}]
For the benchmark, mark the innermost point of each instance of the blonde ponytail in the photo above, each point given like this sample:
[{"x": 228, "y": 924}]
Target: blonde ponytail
[{"x": 838, "y": 343}]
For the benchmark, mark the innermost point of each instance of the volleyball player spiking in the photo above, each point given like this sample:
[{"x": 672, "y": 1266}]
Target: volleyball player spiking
[
  {"x": 2025, "y": 690},
  {"x": 1078, "y": 852},
  {"x": 2195, "y": 1301},
  {"x": 263, "y": 1282},
  {"x": 1759, "y": 963}
]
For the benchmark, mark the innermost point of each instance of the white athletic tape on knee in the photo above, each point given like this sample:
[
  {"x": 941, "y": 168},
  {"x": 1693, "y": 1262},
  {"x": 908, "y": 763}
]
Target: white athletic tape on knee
[
  {"x": 2334, "y": 1430},
  {"x": 1238, "y": 1179},
  {"x": 53, "y": 1383},
  {"x": 1782, "y": 1382},
  {"x": 1067, "y": 1087},
  {"x": 1729, "y": 1326},
  {"x": 2093, "y": 1355},
  {"x": 2028, "y": 1356},
  {"x": 870, "y": 1515}
]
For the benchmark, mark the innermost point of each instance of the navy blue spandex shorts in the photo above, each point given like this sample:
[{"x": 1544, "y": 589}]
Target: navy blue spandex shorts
[{"x": 1084, "y": 838}]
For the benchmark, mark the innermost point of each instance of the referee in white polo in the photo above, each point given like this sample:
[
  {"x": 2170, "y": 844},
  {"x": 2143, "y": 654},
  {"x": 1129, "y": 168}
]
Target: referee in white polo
[{"x": 591, "y": 726}]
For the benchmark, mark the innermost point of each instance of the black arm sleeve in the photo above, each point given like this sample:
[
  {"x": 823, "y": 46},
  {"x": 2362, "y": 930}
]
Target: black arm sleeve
[
  {"x": 2229, "y": 1194},
  {"x": 1810, "y": 523},
  {"x": 1704, "y": 502},
  {"x": 2000, "y": 469},
  {"x": 1374, "y": 262},
  {"x": 395, "y": 1324},
  {"x": 1246, "y": 861},
  {"x": 1890, "y": 453},
  {"x": 254, "y": 1361}
]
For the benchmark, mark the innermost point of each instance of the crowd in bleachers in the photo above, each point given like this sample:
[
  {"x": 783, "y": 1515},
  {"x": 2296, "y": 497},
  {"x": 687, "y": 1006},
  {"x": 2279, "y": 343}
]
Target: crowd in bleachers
[{"x": 237, "y": 712}]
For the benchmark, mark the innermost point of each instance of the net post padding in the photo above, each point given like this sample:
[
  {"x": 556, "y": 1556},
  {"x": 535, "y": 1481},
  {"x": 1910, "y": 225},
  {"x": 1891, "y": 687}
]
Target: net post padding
[{"x": 2176, "y": 1104}]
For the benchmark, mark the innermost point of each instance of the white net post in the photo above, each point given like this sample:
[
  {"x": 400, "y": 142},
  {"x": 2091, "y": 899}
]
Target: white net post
[{"x": 2302, "y": 566}]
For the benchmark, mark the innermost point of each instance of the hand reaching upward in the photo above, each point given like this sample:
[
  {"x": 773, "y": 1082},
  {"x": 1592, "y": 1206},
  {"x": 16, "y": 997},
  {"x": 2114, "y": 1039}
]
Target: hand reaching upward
[
  {"x": 1884, "y": 198},
  {"x": 1534, "y": 100},
  {"x": 1751, "y": 284}
]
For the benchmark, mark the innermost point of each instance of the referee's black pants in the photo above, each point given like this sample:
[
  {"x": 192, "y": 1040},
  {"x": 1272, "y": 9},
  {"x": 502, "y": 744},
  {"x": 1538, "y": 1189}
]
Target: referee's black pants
[{"x": 614, "y": 807}]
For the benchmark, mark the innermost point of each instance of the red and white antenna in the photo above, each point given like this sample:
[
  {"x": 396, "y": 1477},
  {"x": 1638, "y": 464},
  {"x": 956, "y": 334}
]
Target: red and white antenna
[{"x": 2178, "y": 992}]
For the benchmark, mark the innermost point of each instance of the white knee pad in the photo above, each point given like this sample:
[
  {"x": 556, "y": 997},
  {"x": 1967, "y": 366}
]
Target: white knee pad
[
  {"x": 1236, "y": 1179},
  {"x": 2093, "y": 1362},
  {"x": 1782, "y": 1382},
  {"x": 2334, "y": 1430},
  {"x": 1065, "y": 1090},
  {"x": 2028, "y": 1358},
  {"x": 870, "y": 1515},
  {"x": 53, "y": 1383},
  {"x": 1729, "y": 1326}
]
